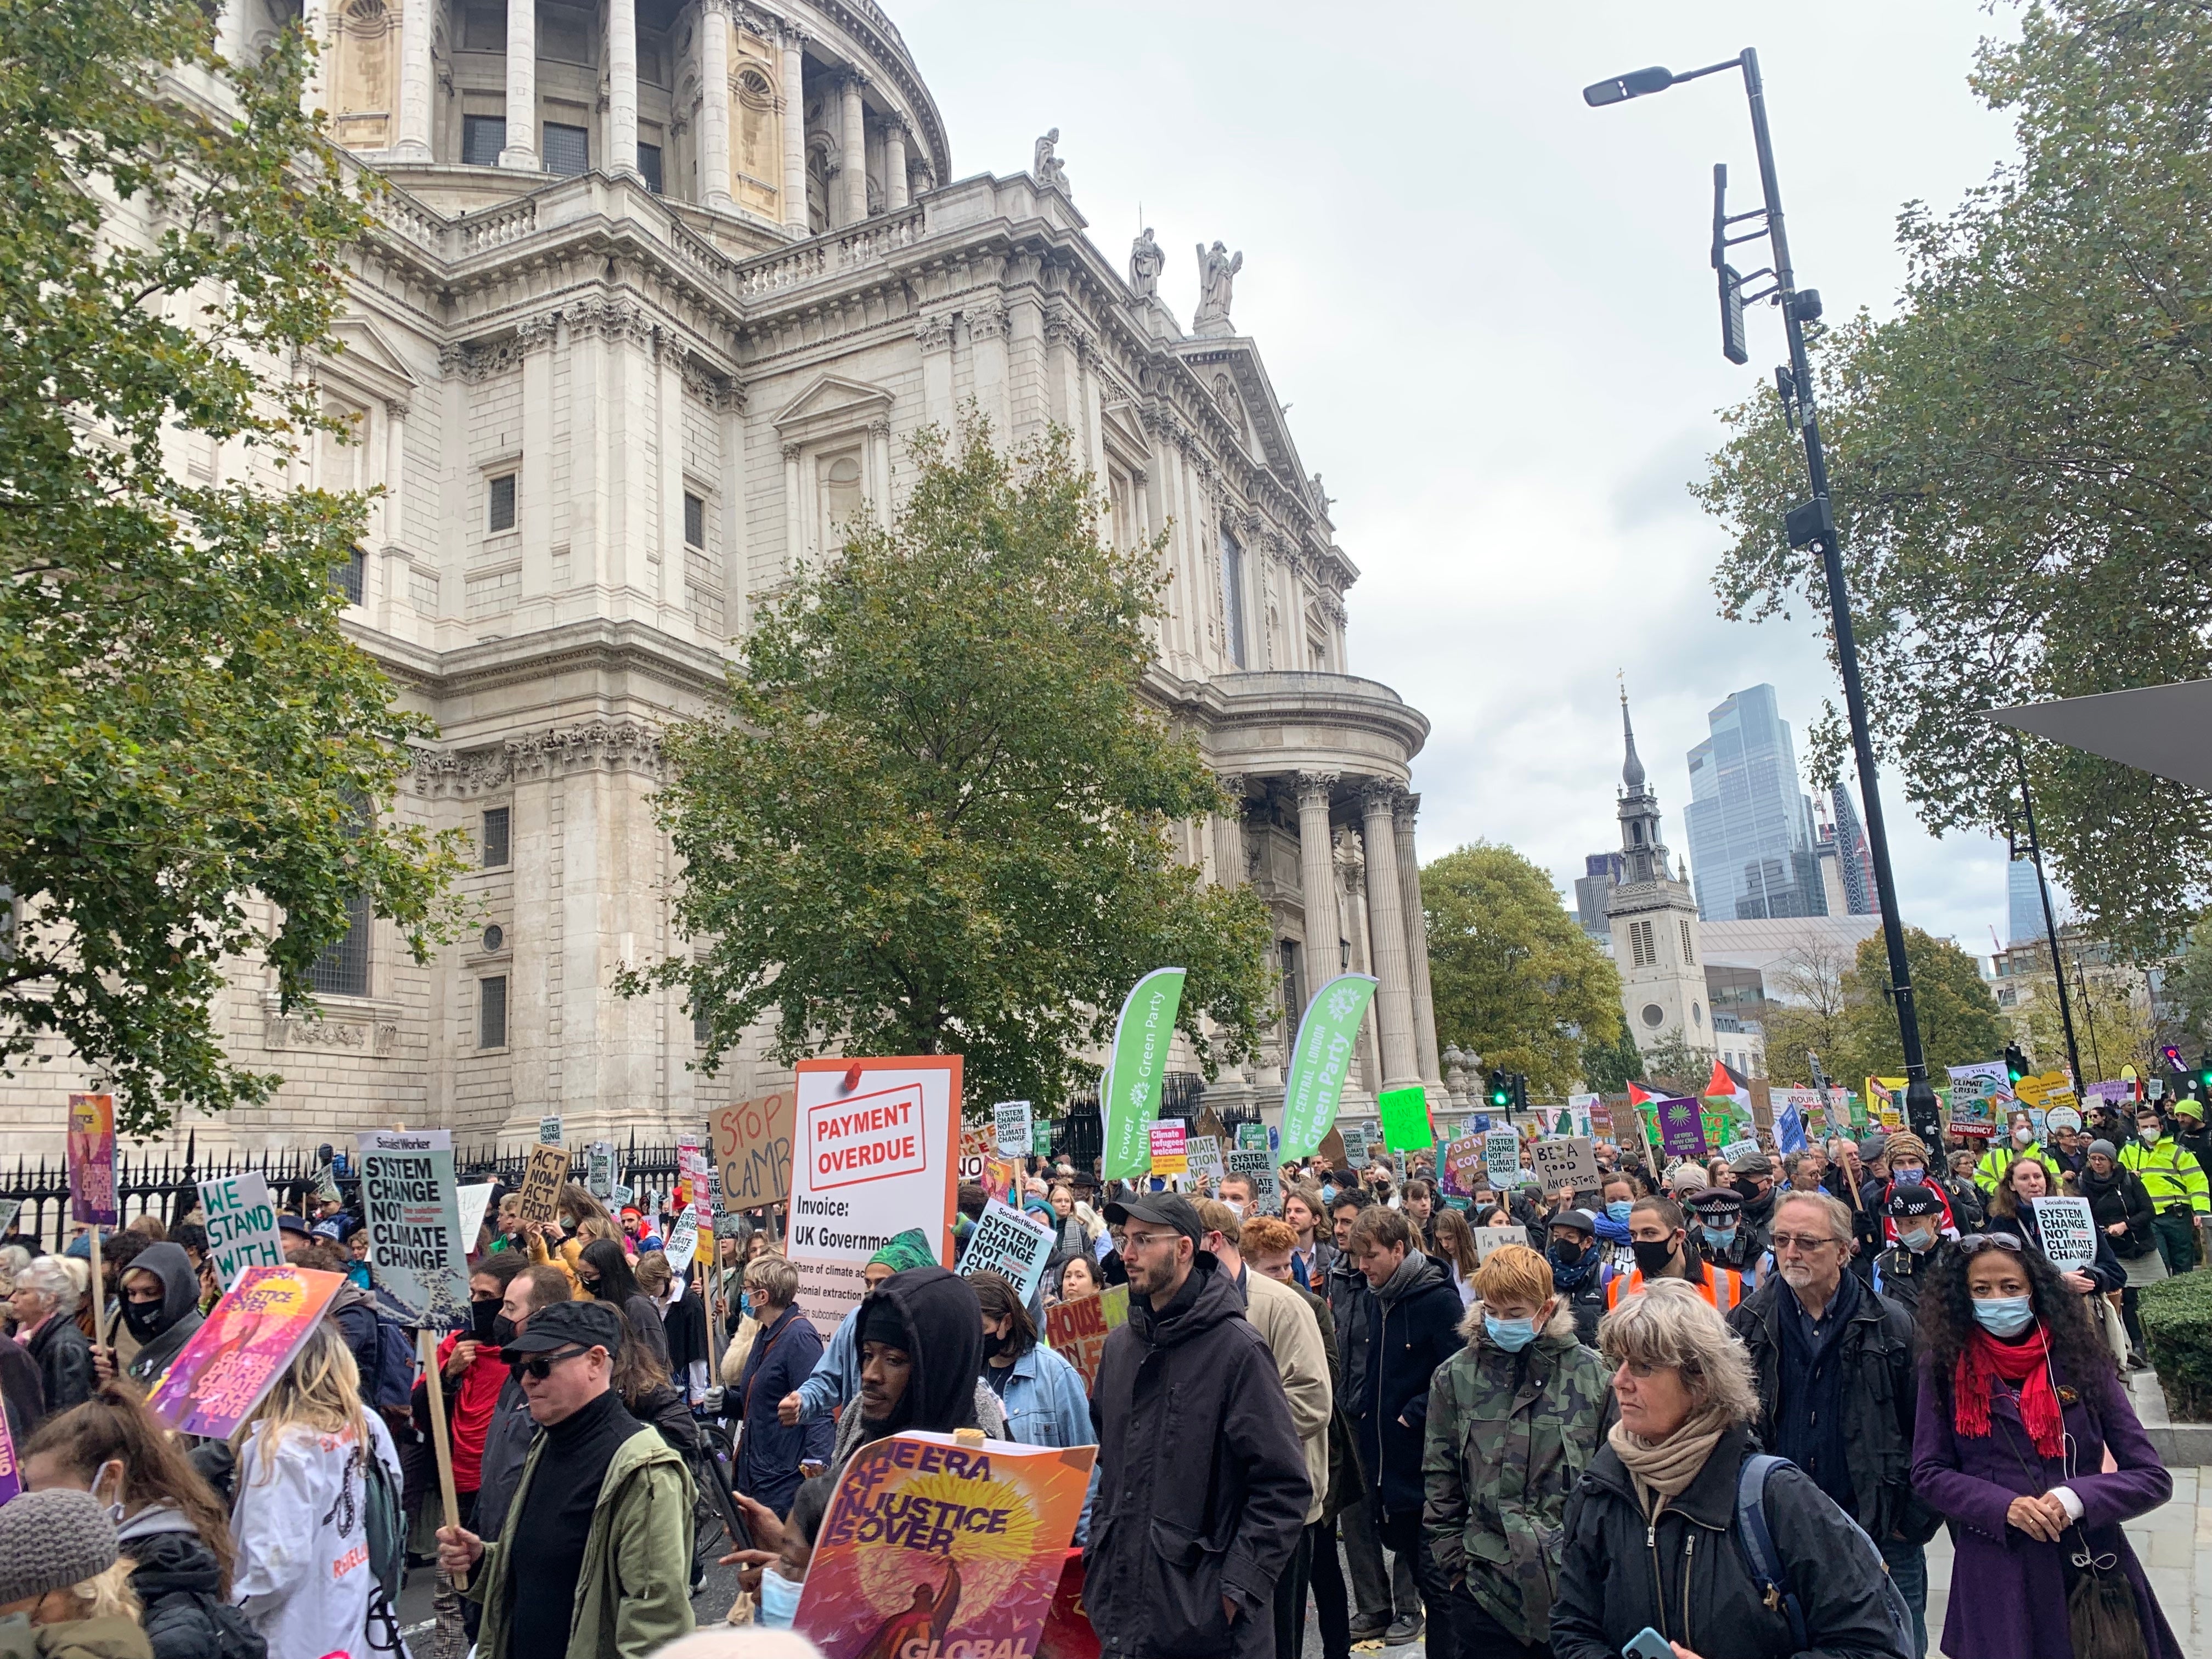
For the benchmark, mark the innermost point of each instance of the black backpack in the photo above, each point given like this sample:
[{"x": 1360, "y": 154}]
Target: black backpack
[{"x": 1772, "y": 1577}]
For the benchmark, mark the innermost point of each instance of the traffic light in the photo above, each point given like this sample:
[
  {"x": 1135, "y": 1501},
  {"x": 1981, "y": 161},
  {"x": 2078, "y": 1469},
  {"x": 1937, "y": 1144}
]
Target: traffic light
[
  {"x": 2203, "y": 1079},
  {"x": 1521, "y": 1090},
  {"x": 2016, "y": 1062},
  {"x": 1501, "y": 1090}
]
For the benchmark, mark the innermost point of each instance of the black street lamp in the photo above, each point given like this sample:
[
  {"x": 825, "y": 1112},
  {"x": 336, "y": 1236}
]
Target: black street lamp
[{"x": 1813, "y": 523}]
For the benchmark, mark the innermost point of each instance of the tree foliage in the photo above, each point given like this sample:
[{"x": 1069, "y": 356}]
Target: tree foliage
[
  {"x": 1960, "y": 1023},
  {"x": 1806, "y": 1014},
  {"x": 936, "y": 815},
  {"x": 183, "y": 725},
  {"x": 2022, "y": 457},
  {"x": 2113, "y": 1023},
  {"x": 1610, "y": 1067},
  {"x": 1512, "y": 976}
]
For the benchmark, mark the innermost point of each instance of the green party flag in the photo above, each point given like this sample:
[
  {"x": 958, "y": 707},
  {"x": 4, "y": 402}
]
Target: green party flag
[
  {"x": 1130, "y": 1097},
  {"x": 1320, "y": 1059},
  {"x": 1406, "y": 1119}
]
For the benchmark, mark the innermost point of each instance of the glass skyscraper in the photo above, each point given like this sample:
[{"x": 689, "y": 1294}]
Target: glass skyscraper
[
  {"x": 1751, "y": 848},
  {"x": 2023, "y": 906}
]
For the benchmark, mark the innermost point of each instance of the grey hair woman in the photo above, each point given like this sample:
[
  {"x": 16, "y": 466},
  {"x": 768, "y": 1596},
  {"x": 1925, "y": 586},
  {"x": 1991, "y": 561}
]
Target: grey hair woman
[{"x": 43, "y": 1304}]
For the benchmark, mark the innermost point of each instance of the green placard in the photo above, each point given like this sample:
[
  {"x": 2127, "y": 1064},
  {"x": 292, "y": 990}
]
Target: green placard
[
  {"x": 1406, "y": 1119},
  {"x": 1320, "y": 1059},
  {"x": 1131, "y": 1096}
]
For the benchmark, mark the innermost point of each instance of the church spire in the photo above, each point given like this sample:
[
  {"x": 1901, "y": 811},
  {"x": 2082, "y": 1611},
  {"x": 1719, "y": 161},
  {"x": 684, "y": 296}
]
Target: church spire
[{"x": 1631, "y": 770}]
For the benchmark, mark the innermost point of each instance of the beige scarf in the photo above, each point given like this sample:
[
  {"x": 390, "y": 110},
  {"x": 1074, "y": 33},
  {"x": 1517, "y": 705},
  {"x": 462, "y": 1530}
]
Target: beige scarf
[{"x": 1663, "y": 1468}]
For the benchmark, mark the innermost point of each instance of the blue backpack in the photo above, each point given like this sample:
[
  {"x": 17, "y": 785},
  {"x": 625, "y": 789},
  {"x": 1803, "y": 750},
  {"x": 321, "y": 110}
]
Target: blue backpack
[{"x": 1756, "y": 1540}]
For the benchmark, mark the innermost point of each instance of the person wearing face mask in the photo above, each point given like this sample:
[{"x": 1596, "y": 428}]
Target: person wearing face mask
[
  {"x": 1611, "y": 1220},
  {"x": 1573, "y": 1252},
  {"x": 2018, "y": 1141},
  {"x": 1907, "y": 1159},
  {"x": 538, "y": 1286},
  {"x": 2176, "y": 1183},
  {"x": 1659, "y": 1236},
  {"x": 771, "y": 1454},
  {"x": 1915, "y": 1215},
  {"x": 1725, "y": 1236},
  {"x": 2124, "y": 1213},
  {"x": 1515, "y": 1416},
  {"x": 160, "y": 1307},
  {"x": 2020, "y": 1407}
]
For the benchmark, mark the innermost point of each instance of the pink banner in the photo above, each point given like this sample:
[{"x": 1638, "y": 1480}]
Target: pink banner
[
  {"x": 91, "y": 1160},
  {"x": 236, "y": 1356}
]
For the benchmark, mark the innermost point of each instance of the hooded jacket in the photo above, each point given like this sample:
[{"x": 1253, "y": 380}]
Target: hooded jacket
[
  {"x": 1508, "y": 1437},
  {"x": 1414, "y": 1328},
  {"x": 178, "y": 1584},
  {"x": 181, "y": 1309},
  {"x": 1293, "y": 1336},
  {"x": 1202, "y": 1489},
  {"x": 944, "y": 1324}
]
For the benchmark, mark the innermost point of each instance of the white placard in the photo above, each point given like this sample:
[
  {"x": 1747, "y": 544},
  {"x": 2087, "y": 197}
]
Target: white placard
[
  {"x": 1007, "y": 1242},
  {"x": 1012, "y": 1119},
  {"x": 1733, "y": 1149},
  {"x": 1258, "y": 1167},
  {"x": 599, "y": 1170},
  {"x": 1564, "y": 1164},
  {"x": 475, "y": 1199},
  {"x": 2070, "y": 1231},
  {"x": 1501, "y": 1158},
  {"x": 549, "y": 1131},
  {"x": 242, "y": 1225},
  {"x": 683, "y": 1243},
  {"x": 1487, "y": 1239},
  {"x": 1203, "y": 1153}
]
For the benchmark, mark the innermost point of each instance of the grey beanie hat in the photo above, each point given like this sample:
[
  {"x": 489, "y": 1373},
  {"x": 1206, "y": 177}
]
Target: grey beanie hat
[
  {"x": 52, "y": 1541},
  {"x": 2106, "y": 1148}
]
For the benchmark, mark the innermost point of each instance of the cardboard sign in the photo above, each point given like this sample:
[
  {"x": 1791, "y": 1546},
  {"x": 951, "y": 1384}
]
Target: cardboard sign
[
  {"x": 418, "y": 1260},
  {"x": 1076, "y": 1330},
  {"x": 91, "y": 1160},
  {"x": 1733, "y": 1149},
  {"x": 1007, "y": 1242},
  {"x": 1267, "y": 1181},
  {"x": 549, "y": 1131},
  {"x": 240, "y": 1349},
  {"x": 1460, "y": 1167},
  {"x": 475, "y": 1200},
  {"x": 1487, "y": 1239},
  {"x": 1203, "y": 1153},
  {"x": 931, "y": 1550},
  {"x": 753, "y": 1140},
  {"x": 599, "y": 1170},
  {"x": 1012, "y": 1119},
  {"x": 242, "y": 1225},
  {"x": 874, "y": 1154},
  {"x": 1559, "y": 1165},
  {"x": 1167, "y": 1158},
  {"x": 1501, "y": 1157},
  {"x": 542, "y": 1179},
  {"x": 2069, "y": 1232},
  {"x": 1355, "y": 1146},
  {"x": 1332, "y": 1153}
]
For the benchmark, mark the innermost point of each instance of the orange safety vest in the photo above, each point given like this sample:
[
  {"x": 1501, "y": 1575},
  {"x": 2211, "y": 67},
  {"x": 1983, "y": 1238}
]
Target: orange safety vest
[{"x": 1722, "y": 1286}]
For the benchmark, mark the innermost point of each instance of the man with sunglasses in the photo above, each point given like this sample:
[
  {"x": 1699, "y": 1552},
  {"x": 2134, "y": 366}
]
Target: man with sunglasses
[{"x": 595, "y": 1554}]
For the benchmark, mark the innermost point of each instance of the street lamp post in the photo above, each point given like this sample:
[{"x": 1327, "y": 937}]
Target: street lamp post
[
  {"x": 2049, "y": 922},
  {"x": 1813, "y": 524}
]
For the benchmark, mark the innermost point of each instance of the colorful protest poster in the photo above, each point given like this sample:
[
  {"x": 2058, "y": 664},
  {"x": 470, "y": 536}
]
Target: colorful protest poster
[
  {"x": 1585, "y": 1110},
  {"x": 475, "y": 1200},
  {"x": 541, "y": 1180},
  {"x": 1461, "y": 1166},
  {"x": 1259, "y": 1168},
  {"x": 1886, "y": 1100},
  {"x": 1978, "y": 1093},
  {"x": 1321, "y": 1061},
  {"x": 91, "y": 1160},
  {"x": 2039, "y": 1091},
  {"x": 242, "y": 1225},
  {"x": 1251, "y": 1136},
  {"x": 1007, "y": 1242},
  {"x": 1405, "y": 1119},
  {"x": 1501, "y": 1157},
  {"x": 1011, "y": 1119},
  {"x": 933, "y": 1550},
  {"x": 240, "y": 1349},
  {"x": 875, "y": 1153},
  {"x": 418, "y": 1258},
  {"x": 1000, "y": 1177},
  {"x": 2069, "y": 1232},
  {"x": 1568, "y": 1164},
  {"x": 1167, "y": 1150},
  {"x": 1788, "y": 1130},
  {"x": 1076, "y": 1330},
  {"x": 1203, "y": 1154},
  {"x": 1682, "y": 1127},
  {"x": 549, "y": 1131},
  {"x": 752, "y": 1149},
  {"x": 1129, "y": 1096}
]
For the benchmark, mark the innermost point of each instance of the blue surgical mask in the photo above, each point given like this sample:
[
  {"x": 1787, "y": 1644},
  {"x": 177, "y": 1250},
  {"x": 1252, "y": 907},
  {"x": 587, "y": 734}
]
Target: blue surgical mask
[
  {"x": 2005, "y": 1315},
  {"x": 745, "y": 1303},
  {"x": 1910, "y": 1177},
  {"x": 1719, "y": 1237},
  {"x": 778, "y": 1600},
  {"x": 1511, "y": 1334},
  {"x": 1328, "y": 1192},
  {"x": 1619, "y": 1209}
]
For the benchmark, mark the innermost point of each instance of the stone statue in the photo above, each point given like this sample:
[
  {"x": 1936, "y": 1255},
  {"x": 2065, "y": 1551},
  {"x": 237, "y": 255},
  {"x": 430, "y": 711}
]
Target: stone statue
[
  {"x": 1046, "y": 168},
  {"x": 1217, "y": 273},
  {"x": 1145, "y": 264}
]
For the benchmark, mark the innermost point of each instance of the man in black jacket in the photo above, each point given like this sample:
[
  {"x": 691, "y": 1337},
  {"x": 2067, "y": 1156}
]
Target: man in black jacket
[
  {"x": 1836, "y": 1385},
  {"x": 1203, "y": 1487},
  {"x": 1349, "y": 1302}
]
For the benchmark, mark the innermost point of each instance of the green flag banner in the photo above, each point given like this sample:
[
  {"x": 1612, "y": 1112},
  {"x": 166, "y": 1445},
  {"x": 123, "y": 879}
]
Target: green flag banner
[
  {"x": 1131, "y": 1098},
  {"x": 1406, "y": 1119},
  {"x": 1320, "y": 1059}
]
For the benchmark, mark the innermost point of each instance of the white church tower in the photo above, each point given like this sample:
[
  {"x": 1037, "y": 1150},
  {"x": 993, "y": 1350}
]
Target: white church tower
[{"x": 1654, "y": 917}]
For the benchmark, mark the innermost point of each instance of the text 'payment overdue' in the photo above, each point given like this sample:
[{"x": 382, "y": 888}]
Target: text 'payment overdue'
[{"x": 866, "y": 1138}]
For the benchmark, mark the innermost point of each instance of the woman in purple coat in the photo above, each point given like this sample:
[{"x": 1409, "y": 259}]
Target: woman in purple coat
[{"x": 2018, "y": 1403}]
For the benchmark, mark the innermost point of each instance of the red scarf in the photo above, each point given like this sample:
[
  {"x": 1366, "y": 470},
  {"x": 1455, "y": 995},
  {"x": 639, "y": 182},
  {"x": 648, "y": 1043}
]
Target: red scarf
[{"x": 2025, "y": 1364}]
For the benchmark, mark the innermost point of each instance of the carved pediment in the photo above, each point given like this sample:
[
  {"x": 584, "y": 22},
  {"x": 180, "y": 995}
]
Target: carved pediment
[
  {"x": 369, "y": 362},
  {"x": 832, "y": 403}
]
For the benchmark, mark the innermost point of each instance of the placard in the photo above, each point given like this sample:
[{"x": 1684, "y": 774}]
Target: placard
[
  {"x": 475, "y": 1200},
  {"x": 242, "y": 1225},
  {"x": 1461, "y": 1166},
  {"x": 2069, "y": 1232},
  {"x": 1129, "y": 1095},
  {"x": 1041, "y": 1137},
  {"x": 1790, "y": 1131},
  {"x": 1583, "y": 1109},
  {"x": 1252, "y": 1138},
  {"x": 240, "y": 1349},
  {"x": 683, "y": 1244},
  {"x": 1203, "y": 1153},
  {"x": 11, "y": 1471},
  {"x": 930, "y": 1550},
  {"x": 1405, "y": 1119},
  {"x": 1320, "y": 1059},
  {"x": 418, "y": 1265},
  {"x": 1561, "y": 1164},
  {"x": 1267, "y": 1181},
  {"x": 1487, "y": 1239},
  {"x": 549, "y": 1131},
  {"x": 599, "y": 1170},
  {"x": 622, "y": 1196},
  {"x": 1007, "y": 1242},
  {"x": 91, "y": 1160},
  {"x": 1012, "y": 1120},
  {"x": 1355, "y": 1146},
  {"x": 2061, "y": 1117},
  {"x": 1733, "y": 1149},
  {"x": 1332, "y": 1153},
  {"x": 753, "y": 1140},
  {"x": 1501, "y": 1157},
  {"x": 1077, "y": 1330},
  {"x": 875, "y": 1147},
  {"x": 1682, "y": 1127},
  {"x": 542, "y": 1179},
  {"x": 1167, "y": 1158}
]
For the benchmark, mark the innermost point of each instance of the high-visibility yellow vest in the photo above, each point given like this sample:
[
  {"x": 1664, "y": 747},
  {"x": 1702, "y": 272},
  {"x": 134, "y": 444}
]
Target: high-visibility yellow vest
[{"x": 2170, "y": 1172}]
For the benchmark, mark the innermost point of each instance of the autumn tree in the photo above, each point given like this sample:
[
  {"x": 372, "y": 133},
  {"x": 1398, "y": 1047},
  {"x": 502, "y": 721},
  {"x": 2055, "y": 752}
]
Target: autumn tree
[{"x": 1960, "y": 1023}]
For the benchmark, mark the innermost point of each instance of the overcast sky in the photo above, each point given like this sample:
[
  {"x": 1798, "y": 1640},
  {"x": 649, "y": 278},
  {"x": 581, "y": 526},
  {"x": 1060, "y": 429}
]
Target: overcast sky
[{"x": 1491, "y": 311}]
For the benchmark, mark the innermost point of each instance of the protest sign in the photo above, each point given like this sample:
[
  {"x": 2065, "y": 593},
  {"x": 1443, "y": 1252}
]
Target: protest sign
[
  {"x": 1562, "y": 1164},
  {"x": 2069, "y": 1232},
  {"x": 1203, "y": 1154},
  {"x": 624, "y": 1194},
  {"x": 1501, "y": 1157},
  {"x": 1260, "y": 1167},
  {"x": 1167, "y": 1158},
  {"x": 1007, "y": 1242},
  {"x": 240, "y": 1349},
  {"x": 1733, "y": 1149},
  {"x": 1584, "y": 1110},
  {"x": 1487, "y": 1239},
  {"x": 1461, "y": 1166},
  {"x": 1011, "y": 1118},
  {"x": 933, "y": 1550},
  {"x": 691, "y": 1171},
  {"x": 1977, "y": 1094},
  {"x": 599, "y": 1170},
  {"x": 1358, "y": 1137},
  {"x": 1405, "y": 1119},
  {"x": 683, "y": 1243},
  {"x": 1682, "y": 1127},
  {"x": 241, "y": 1225},
  {"x": 1790, "y": 1131},
  {"x": 752, "y": 1150},
  {"x": 1076, "y": 1330},
  {"x": 1321, "y": 1061},
  {"x": 1251, "y": 1136},
  {"x": 10, "y": 1209},
  {"x": 1332, "y": 1150},
  {"x": 542, "y": 1178},
  {"x": 549, "y": 1131},
  {"x": 409, "y": 1205},
  {"x": 475, "y": 1200},
  {"x": 875, "y": 1154},
  {"x": 2042, "y": 1090},
  {"x": 2061, "y": 1117},
  {"x": 91, "y": 1160},
  {"x": 1129, "y": 1095}
]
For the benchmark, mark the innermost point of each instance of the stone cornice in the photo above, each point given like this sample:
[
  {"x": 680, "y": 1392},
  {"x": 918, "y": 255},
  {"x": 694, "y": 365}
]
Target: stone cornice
[{"x": 622, "y": 653}]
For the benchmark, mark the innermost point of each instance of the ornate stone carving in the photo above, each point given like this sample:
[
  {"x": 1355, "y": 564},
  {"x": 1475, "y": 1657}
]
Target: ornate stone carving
[
  {"x": 1216, "y": 277},
  {"x": 1046, "y": 167},
  {"x": 934, "y": 333},
  {"x": 475, "y": 362},
  {"x": 597, "y": 745},
  {"x": 296, "y": 1032},
  {"x": 1314, "y": 788},
  {"x": 1379, "y": 795},
  {"x": 1146, "y": 261},
  {"x": 987, "y": 322},
  {"x": 449, "y": 774}
]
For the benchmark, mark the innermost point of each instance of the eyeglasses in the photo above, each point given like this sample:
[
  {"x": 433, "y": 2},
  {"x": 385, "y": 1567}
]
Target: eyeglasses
[
  {"x": 1976, "y": 1243},
  {"x": 1806, "y": 1243},
  {"x": 539, "y": 1367},
  {"x": 1145, "y": 1241}
]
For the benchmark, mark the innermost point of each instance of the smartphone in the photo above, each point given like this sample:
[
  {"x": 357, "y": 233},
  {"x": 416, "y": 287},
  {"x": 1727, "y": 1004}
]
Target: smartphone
[{"x": 1647, "y": 1644}]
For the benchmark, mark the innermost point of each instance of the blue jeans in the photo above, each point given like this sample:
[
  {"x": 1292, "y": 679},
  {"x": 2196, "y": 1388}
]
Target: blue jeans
[{"x": 1908, "y": 1570}]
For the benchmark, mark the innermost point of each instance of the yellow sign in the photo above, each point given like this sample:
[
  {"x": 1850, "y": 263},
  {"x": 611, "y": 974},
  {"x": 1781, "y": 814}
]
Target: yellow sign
[
  {"x": 1886, "y": 1100},
  {"x": 2045, "y": 1090}
]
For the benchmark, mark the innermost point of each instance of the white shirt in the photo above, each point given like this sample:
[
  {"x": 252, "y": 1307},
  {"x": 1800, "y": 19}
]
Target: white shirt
[{"x": 300, "y": 1525}]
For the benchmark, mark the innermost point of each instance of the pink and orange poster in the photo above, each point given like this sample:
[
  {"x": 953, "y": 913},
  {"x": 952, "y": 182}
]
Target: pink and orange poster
[
  {"x": 934, "y": 1550},
  {"x": 236, "y": 1356},
  {"x": 91, "y": 1160}
]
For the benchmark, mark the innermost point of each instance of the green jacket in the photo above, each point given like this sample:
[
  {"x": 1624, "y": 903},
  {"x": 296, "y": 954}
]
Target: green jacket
[
  {"x": 1990, "y": 1172},
  {"x": 2170, "y": 1172},
  {"x": 1508, "y": 1437},
  {"x": 635, "y": 1590}
]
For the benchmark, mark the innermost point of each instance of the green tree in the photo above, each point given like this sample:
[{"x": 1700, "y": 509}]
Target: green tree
[
  {"x": 1958, "y": 1019},
  {"x": 184, "y": 729},
  {"x": 2189, "y": 988},
  {"x": 933, "y": 819},
  {"x": 2022, "y": 457},
  {"x": 1512, "y": 976},
  {"x": 1610, "y": 1067}
]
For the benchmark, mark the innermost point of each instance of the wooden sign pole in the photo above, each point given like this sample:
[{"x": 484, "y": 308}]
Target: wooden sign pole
[{"x": 427, "y": 1347}]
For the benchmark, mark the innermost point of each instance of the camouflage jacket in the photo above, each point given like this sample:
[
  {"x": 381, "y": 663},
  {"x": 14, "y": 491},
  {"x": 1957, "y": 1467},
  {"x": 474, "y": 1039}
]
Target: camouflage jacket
[{"x": 1509, "y": 1436}]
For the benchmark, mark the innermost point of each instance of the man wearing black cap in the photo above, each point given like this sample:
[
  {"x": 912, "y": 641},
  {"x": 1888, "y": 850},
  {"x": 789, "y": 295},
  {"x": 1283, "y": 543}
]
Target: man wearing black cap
[
  {"x": 595, "y": 1555},
  {"x": 1201, "y": 1474},
  {"x": 1571, "y": 1249}
]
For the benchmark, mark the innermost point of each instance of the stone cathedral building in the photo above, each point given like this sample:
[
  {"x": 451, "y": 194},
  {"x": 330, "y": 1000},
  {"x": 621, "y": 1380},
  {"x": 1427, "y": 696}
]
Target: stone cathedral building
[{"x": 658, "y": 294}]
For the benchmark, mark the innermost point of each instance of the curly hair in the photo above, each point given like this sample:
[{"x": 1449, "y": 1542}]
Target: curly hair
[{"x": 2078, "y": 1352}]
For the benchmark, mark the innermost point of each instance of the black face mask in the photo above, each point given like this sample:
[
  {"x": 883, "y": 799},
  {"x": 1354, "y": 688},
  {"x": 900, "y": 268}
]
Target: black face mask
[
  {"x": 502, "y": 1327},
  {"x": 1652, "y": 1256},
  {"x": 144, "y": 1320},
  {"x": 993, "y": 1346},
  {"x": 483, "y": 1314},
  {"x": 1746, "y": 1185},
  {"x": 1565, "y": 1252}
]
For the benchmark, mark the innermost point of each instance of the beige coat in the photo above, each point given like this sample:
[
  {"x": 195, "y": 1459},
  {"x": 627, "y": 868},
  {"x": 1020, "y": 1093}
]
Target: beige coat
[{"x": 1293, "y": 1336}]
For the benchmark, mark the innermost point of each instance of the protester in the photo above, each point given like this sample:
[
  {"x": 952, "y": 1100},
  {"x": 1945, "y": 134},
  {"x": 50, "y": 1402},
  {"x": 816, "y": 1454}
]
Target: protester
[
  {"x": 2012, "y": 1209},
  {"x": 1202, "y": 1480},
  {"x": 2176, "y": 1183},
  {"x": 1306, "y": 1212},
  {"x": 785, "y": 1350},
  {"x": 1616, "y": 1248},
  {"x": 508, "y": 1434},
  {"x": 2017, "y": 1142},
  {"x": 682, "y": 1312},
  {"x": 919, "y": 1338},
  {"x": 1574, "y": 1255},
  {"x": 1451, "y": 1241},
  {"x": 594, "y": 1556},
  {"x": 835, "y": 1379},
  {"x": 1078, "y": 1278},
  {"x": 1915, "y": 1215},
  {"x": 2020, "y": 1406},
  {"x": 1804, "y": 1169},
  {"x": 160, "y": 1310},
  {"x": 44, "y": 1305},
  {"x": 1660, "y": 1241},
  {"x": 1377, "y": 1592},
  {"x": 605, "y": 1274},
  {"x": 2122, "y": 1208},
  {"x": 1651, "y": 1535},
  {"x": 60, "y": 1569}
]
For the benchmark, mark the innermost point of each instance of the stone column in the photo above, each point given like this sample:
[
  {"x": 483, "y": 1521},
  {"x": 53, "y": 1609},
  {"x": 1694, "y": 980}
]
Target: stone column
[
  {"x": 714, "y": 104},
  {"x": 1417, "y": 941},
  {"x": 894, "y": 195},
  {"x": 853, "y": 147},
  {"x": 1229, "y": 833},
  {"x": 622, "y": 87},
  {"x": 521, "y": 150},
  {"x": 1353, "y": 862},
  {"x": 792, "y": 110},
  {"x": 1386, "y": 916},
  {"x": 414, "y": 137},
  {"x": 315, "y": 24},
  {"x": 390, "y": 580},
  {"x": 1317, "y": 881},
  {"x": 230, "y": 31}
]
